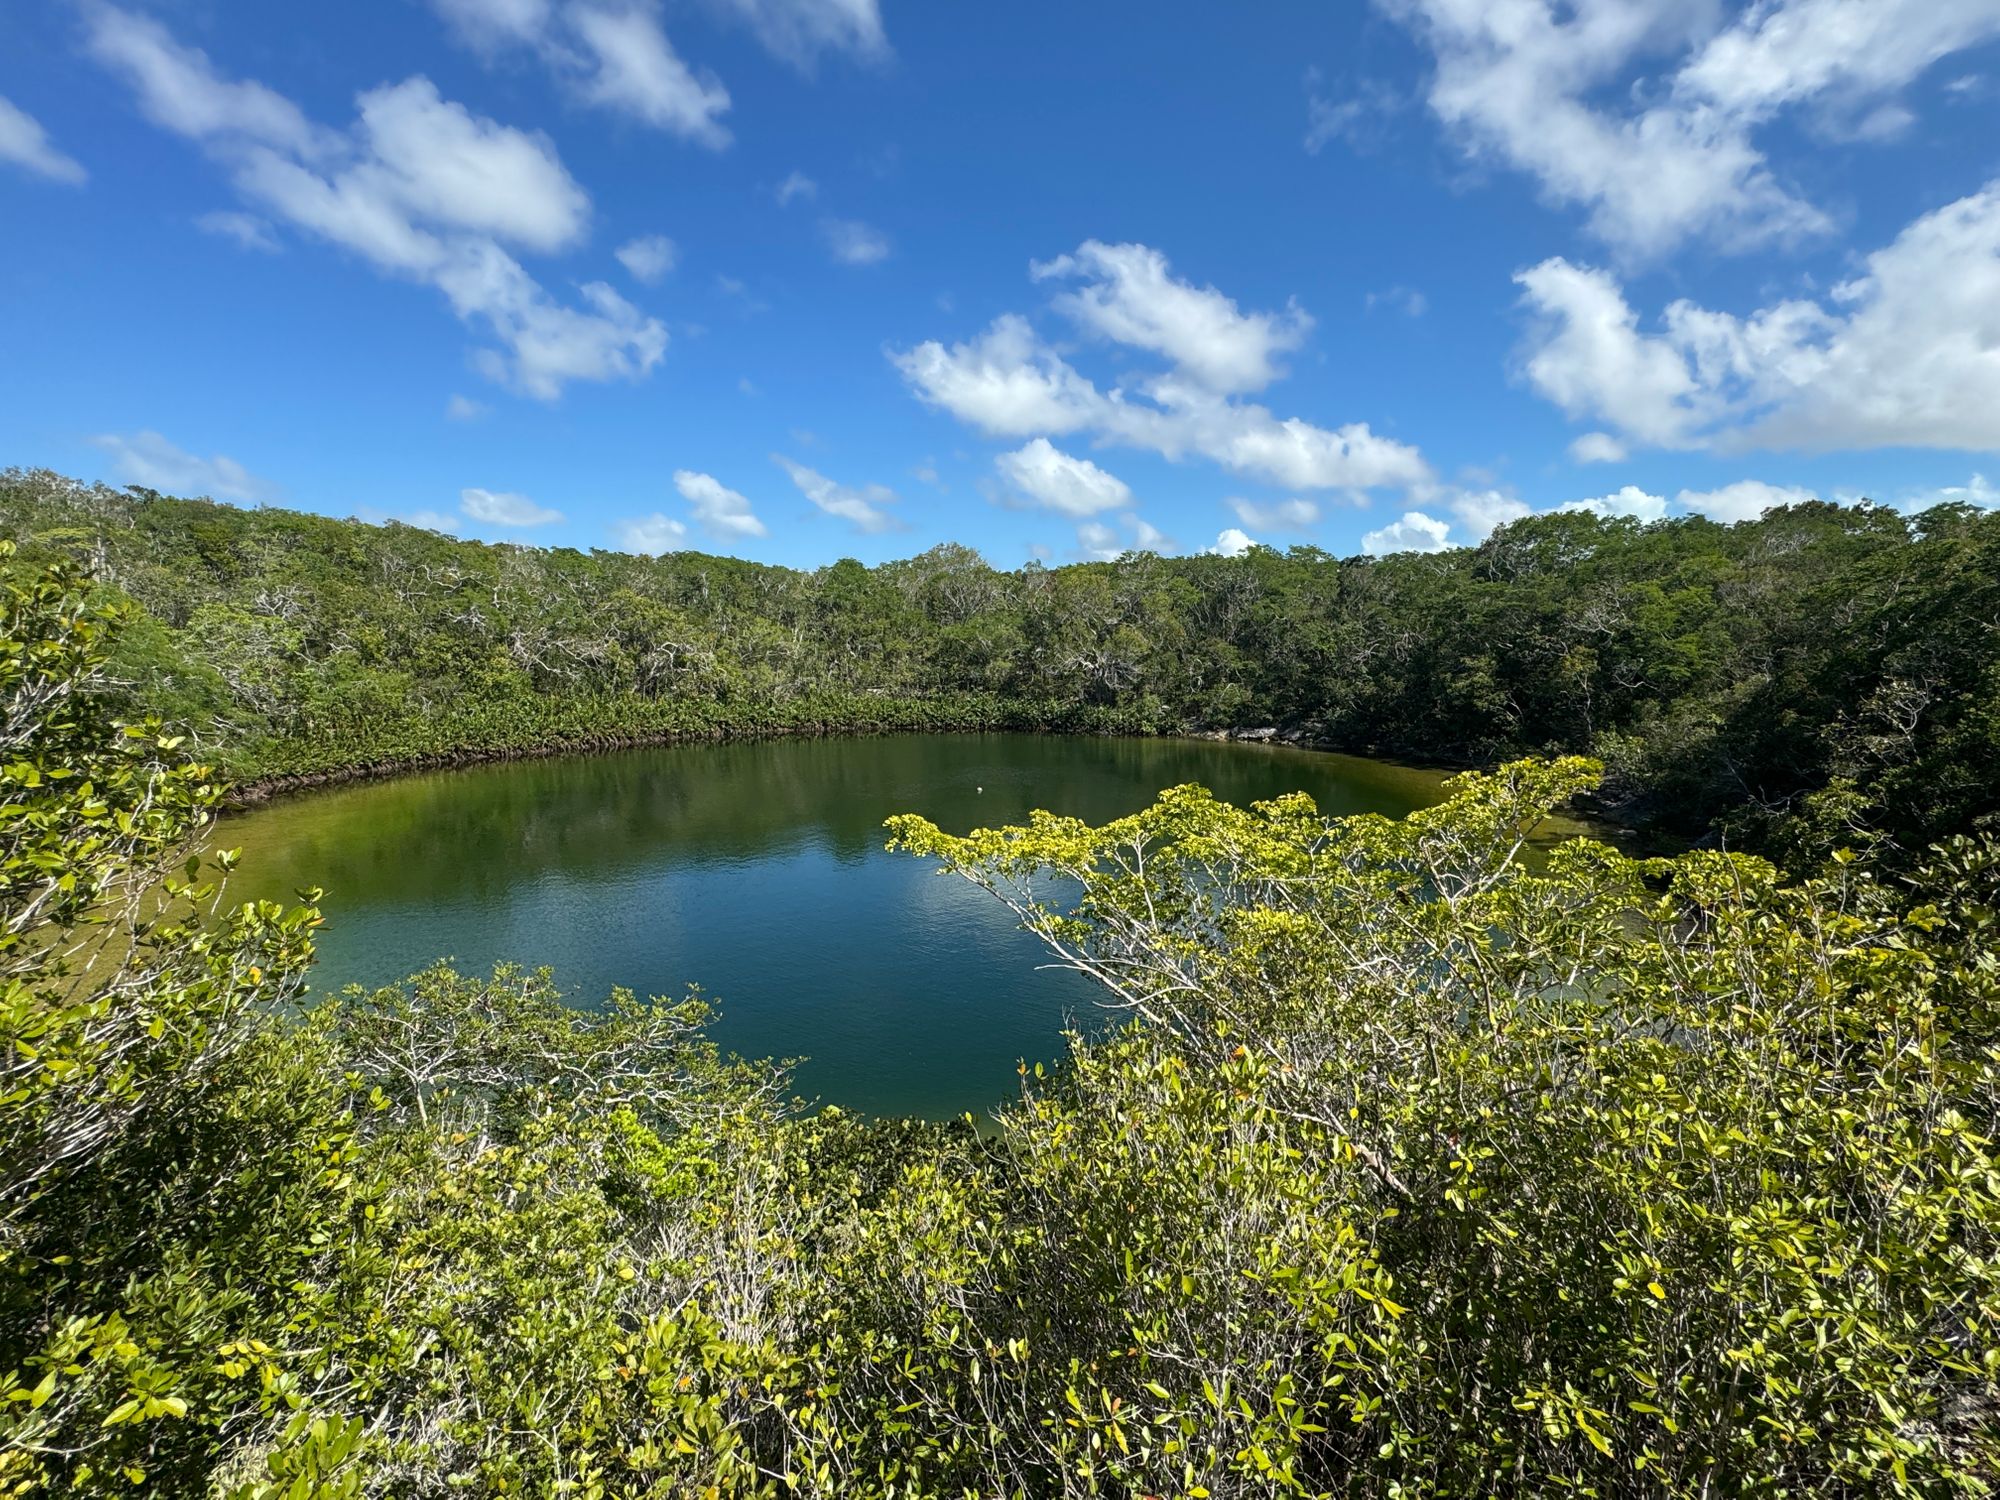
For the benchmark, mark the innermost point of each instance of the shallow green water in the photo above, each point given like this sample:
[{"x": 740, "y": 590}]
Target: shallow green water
[{"x": 757, "y": 871}]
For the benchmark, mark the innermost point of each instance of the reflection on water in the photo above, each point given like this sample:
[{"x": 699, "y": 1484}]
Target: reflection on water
[{"x": 756, "y": 870}]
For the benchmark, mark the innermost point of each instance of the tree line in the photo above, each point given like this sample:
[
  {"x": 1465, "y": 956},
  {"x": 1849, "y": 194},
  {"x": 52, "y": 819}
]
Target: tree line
[{"x": 1825, "y": 675}]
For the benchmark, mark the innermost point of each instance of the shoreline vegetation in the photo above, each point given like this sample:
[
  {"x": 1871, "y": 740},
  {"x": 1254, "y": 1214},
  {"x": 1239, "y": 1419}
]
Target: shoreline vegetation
[
  {"x": 1817, "y": 679},
  {"x": 908, "y": 718},
  {"x": 1420, "y": 1168}
]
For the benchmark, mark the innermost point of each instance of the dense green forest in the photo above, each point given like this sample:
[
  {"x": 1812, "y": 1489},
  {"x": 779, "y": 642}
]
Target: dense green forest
[
  {"x": 1825, "y": 676},
  {"x": 1418, "y": 1171}
]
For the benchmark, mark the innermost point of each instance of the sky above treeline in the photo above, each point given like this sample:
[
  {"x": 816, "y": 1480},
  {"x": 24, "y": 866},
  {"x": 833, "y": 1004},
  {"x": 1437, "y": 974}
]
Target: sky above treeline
[{"x": 802, "y": 279}]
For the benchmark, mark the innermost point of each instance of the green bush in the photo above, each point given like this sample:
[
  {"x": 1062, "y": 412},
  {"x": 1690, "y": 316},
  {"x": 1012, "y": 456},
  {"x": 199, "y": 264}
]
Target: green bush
[{"x": 1420, "y": 1169}]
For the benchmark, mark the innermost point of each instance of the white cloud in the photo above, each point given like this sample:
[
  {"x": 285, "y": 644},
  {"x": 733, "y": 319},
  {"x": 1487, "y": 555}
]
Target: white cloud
[
  {"x": 1005, "y": 382},
  {"x": 1745, "y": 500},
  {"x": 1131, "y": 296},
  {"x": 800, "y": 30},
  {"x": 649, "y": 535},
  {"x": 1415, "y": 532},
  {"x": 1231, "y": 542},
  {"x": 611, "y": 53},
  {"x": 718, "y": 510},
  {"x": 249, "y": 231},
  {"x": 179, "y": 89},
  {"x": 1560, "y": 89},
  {"x": 1628, "y": 501},
  {"x": 148, "y": 459},
  {"x": 1285, "y": 515},
  {"x": 1099, "y": 542},
  {"x": 1597, "y": 448},
  {"x": 854, "y": 243},
  {"x": 637, "y": 72},
  {"x": 498, "y": 508},
  {"x": 1049, "y": 477},
  {"x": 24, "y": 143},
  {"x": 1406, "y": 300},
  {"x": 464, "y": 409},
  {"x": 1359, "y": 118},
  {"x": 1591, "y": 360},
  {"x": 431, "y": 520},
  {"x": 795, "y": 185},
  {"x": 1786, "y": 52},
  {"x": 1976, "y": 491},
  {"x": 491, "y": 24},
  {"x": 420, "y": 188},
  {"x": 649, "y": 258},
  {"x": 862, "y": 508},
  {"x": 1008, "y": 383},
  {"x": 1480, "y": 512},
  {"x": 1905, "y": 354},
  {"x": 440, "y": 163}
]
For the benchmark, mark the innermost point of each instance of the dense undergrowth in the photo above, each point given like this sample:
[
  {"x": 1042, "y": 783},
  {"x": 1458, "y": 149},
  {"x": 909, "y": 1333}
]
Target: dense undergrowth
[
  {"x": 1418, "y": 1172},
  {"x": 1826, "y": 676}
]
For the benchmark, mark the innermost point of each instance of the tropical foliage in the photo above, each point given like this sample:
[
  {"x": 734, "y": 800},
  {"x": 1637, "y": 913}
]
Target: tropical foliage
[
  {"x": 1825, "y": 676},
  {"x": 1419, "y": 1170}
]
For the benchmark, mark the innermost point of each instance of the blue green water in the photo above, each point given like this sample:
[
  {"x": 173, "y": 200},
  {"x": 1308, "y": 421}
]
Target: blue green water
[{"x": 757, "y": 871}]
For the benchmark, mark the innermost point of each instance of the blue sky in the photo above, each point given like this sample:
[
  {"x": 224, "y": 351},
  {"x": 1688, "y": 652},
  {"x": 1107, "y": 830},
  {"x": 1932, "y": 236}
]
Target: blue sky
[{"x": 803, "y": 279}]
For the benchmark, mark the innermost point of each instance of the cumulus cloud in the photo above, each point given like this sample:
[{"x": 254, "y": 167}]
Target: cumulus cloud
[
  {"x": 860, "y": 508},
  {"x": 247, "y": 230},
  {"x": 499, "y": 508},
  {"x": 1479, "y": 512},
  {"x": 24, "y": 143},
  {"x": 1597, "y": 448},
  {"x": 1570, "y": 92},
  {"x": 1628, "y": 501},
  {"x": 419, "y": 188},
  {"x": 1284, "y": 515},
  {"x": 1415, "y": 532},
  {"x": 1008, "y": 382},
  {"x": 148, "y": 459},
  {"x": 1232, "y": 542},
  {"x": 1745, "y": 500},
  {"x": 464, "y": 409},
  {"x": 1099, "y": 541},
  {"x": 614, "y": 54},
  {"x": 1051, "y": 478},
  {"x": 796, "y": 185},
  {"x": 1905, "y": 354},
  {"x": 720, "y": 511},
  {"x": 649, "y": 258},
  {"x": 649, "y": 535},
  {"x": 1129, "y": 295},
  {"x": 854, "y": 243},
  {"x": 1005, "y": 382}
]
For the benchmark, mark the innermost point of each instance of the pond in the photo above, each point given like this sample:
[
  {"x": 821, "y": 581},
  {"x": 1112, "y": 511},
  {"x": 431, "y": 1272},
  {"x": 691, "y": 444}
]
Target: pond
[{"x": 756, "y": 870}]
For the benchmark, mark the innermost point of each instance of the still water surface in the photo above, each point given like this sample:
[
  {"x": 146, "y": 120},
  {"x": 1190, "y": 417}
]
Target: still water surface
[{"x": 756, "y": 870}]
